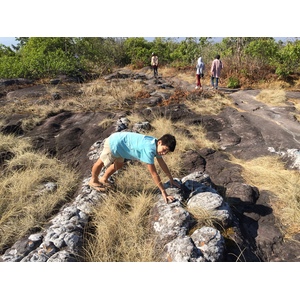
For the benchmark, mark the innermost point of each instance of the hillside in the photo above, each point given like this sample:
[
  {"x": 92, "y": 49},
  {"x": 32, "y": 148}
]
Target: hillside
[{"x": 228, "y": 130}]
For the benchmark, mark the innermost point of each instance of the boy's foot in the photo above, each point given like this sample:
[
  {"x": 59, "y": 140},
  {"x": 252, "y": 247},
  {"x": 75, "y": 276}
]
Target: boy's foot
[{"x": 98, "y": 187}]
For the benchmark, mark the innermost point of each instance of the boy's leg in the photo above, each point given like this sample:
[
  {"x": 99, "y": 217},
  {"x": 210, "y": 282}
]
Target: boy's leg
[
  {"x": 217, "y": 82},
  {"x": 96, "y": 169},
  {"x": 94, "y": 181},
  {"x": 118, "y": 164}
]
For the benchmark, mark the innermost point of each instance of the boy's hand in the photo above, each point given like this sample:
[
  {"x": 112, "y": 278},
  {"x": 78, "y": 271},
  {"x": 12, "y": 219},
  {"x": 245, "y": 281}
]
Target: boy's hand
[{"x": 168, "y": 198}]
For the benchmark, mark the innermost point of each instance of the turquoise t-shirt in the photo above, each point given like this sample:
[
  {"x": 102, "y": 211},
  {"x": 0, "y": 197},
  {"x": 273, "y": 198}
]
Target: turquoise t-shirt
[{"x": 134, "y": 146}]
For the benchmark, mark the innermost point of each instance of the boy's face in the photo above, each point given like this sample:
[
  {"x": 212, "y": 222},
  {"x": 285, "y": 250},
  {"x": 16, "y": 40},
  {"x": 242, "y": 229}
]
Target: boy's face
[{"x": 161, "y": 149}]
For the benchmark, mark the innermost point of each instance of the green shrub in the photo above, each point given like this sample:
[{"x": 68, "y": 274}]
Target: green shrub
[{"x": 233, "y": 83}]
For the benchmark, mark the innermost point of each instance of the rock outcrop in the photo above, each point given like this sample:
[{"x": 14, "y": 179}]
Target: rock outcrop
[{"x": 63, "y": 239}]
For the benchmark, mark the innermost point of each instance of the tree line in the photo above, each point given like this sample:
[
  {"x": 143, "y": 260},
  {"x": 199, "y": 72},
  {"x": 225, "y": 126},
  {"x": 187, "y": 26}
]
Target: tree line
[{"x": 254, "y": 58}]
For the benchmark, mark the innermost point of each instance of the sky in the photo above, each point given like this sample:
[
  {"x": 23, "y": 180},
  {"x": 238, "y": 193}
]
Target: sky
[
  {"x": 218, "y": 18},
  {"x": 118, "y": 18},
  {"x": 7, "y": 41}
]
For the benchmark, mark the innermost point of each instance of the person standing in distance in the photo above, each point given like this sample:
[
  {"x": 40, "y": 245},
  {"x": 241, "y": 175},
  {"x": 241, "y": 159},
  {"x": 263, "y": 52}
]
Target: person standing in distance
[
  {"x": 215, "y": 70},
  {"x": 200, "y": 67},
  {"x": 154, "y": 64}
]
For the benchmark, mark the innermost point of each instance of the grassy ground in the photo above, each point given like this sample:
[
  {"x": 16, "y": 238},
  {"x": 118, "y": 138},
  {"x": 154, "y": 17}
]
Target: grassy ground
[{"x": 25, "y": 203}]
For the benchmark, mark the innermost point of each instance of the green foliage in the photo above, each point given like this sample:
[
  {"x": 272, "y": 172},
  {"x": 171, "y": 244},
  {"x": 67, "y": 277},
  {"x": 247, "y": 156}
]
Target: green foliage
[
  {"x": 138, "y": 50},
  {"x": 5, "y": 51},
  {"x": 104, "y": 52},
  {"x": 186, "y": 52},
  {"x": 11, "y": 67},
  {"x": 44, "y": 57},
  {"x": 233, "y": 83},
  {"x": 265, "y": 49},
  {"x": 162, "y": 48},
  {"x": 287, "y": 59},
  {"x": 41, "y": 57},
  {"x": 21, "y": 42},
  {"x": 251, "y": 57}
]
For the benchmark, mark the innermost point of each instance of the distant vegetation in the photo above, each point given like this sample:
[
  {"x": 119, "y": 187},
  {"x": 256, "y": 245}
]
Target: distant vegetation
[{"x": 247, "y": 59}]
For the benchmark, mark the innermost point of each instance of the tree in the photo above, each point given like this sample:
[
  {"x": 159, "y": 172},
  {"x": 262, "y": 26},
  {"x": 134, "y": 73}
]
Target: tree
[
  {"x": 288, "y": 59},
  {"x": 6, "y": 51},
  {"x": 138, "y": 51}
]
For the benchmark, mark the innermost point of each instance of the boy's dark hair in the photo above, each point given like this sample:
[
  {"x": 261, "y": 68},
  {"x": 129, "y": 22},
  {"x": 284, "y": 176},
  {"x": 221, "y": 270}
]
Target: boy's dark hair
[
  {"x": 169, "y": 141},
  {"x": 217, "y": 56}
]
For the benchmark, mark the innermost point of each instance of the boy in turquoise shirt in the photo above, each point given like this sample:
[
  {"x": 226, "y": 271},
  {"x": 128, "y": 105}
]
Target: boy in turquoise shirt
[{"x": 134, "y": 146}]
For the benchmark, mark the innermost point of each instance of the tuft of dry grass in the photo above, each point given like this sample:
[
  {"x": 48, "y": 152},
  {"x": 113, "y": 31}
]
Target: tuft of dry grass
[
  {"x": 278, "y": 97},
  {"x": 106, "y": 123},
  {"x": 115, "y": 94},
  {"x": 269, "y": 173},
  {"x": 272, "y": 97},
  {"x": 209, "y": 106},
  {"x": 25, "y": 203},
  {"x": 204, "y": 217},
  {"x": 134, "y": 178},
  {"x": 10, "y": 144},
  {"x": 121, "y": 230}
]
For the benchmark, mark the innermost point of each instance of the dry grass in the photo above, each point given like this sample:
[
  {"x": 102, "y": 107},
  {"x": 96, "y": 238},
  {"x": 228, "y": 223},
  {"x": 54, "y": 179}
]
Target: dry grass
[
  {"x": 278, "y": 97},
  {"x": 25, "y": 204},
  {"x": 167, "y": 72},
  {"x": 272, "y": 97},
  {"x": 204, "y": 217},
  {"x": 98, "y": 95},
  {"x": 14, "y": 145},
  {"x": 209, "y": 106},
  {"x": 269, "y": 173},
  {"x": 109, "y": 95},
  {"x": 121, "y": 230},
  {"x": 106, "y": 123}
]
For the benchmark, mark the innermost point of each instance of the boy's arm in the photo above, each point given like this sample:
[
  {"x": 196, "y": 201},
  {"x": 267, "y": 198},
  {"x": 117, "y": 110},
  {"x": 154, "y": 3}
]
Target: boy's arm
[
  {"x": 166, "y": 170},
  {"x": 157, "y": 180}
]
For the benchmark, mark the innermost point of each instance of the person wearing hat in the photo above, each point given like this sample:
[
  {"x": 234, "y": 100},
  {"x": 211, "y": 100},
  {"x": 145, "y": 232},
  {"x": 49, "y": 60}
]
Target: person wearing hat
[{"x": 154, "y": 64}]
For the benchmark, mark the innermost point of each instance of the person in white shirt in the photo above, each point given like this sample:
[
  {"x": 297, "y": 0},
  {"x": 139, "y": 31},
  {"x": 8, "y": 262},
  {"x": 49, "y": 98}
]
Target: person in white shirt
[{"x": 200, "y": 67}]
